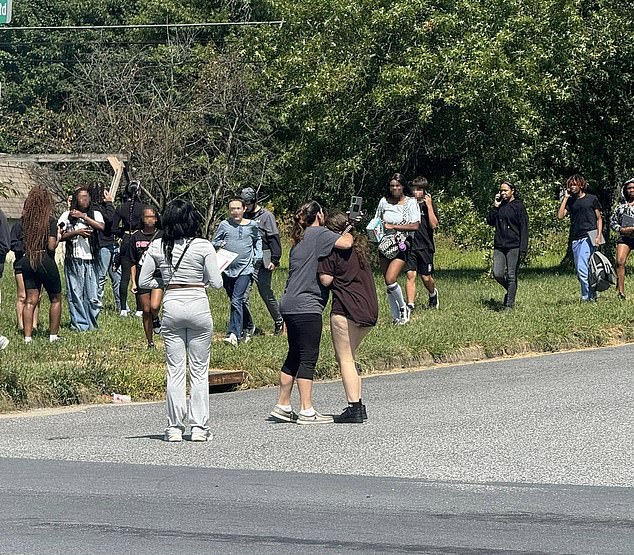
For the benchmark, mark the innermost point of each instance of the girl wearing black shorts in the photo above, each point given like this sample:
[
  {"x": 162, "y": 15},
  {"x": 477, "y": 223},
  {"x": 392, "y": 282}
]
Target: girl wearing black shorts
[
  {"x": 148, "y": 299},
  {"x": 39, "y": 269},
  {"x": 622, "y": 222}
]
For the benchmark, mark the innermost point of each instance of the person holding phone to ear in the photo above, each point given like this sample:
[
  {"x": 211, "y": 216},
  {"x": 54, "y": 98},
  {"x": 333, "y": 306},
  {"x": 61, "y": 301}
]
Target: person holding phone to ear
[
  {"x": 508, "y": 215},
  {"x": 586, "y": 231}
]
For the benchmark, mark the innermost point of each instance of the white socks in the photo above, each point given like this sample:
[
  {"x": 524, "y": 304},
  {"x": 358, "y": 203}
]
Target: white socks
[{"x": 396, "y": 300}]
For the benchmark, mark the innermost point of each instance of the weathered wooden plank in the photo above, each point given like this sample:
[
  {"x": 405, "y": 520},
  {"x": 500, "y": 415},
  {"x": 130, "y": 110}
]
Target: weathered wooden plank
[
  {"x": 58, "y": 158},
  {"x": 227, "y": 377}
]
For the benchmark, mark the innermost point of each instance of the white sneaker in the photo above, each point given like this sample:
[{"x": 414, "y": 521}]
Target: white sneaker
[
  {"x": 4, "y": 342},
  {"x": 201, "y": 435},
  {"x": 405, "y": 314},
  {"x": 139, "y": 314},
  {"x": 173, "y": 435},
  {"x": 231, "y": 339},
  {"x": 123, "y": 313}
]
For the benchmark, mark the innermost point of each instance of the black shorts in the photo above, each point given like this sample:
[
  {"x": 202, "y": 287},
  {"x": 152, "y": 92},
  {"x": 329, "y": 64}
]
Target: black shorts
[
  {"x": 629, "y": 241},
  {"x": 420, "y": 261},
  {"x": 401, "y": 255},
  {"x": 45, "y": 275},
  {"x": 17, "y": 265}
]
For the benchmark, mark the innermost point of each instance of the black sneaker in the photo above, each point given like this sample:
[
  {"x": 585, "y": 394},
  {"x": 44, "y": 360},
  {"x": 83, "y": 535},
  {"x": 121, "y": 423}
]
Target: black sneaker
[
  {"x": 279, "y": 328},
  {"x": 411, "y": 306},
  {"x": 621, "y": 296},
  {"x": 156, "y": 326},
  {"x": 364, "y": 412},
  {"x": 433, "y": 300},
  {"x": 353, "y": 414},
  {"x": 151, "y": 346}
]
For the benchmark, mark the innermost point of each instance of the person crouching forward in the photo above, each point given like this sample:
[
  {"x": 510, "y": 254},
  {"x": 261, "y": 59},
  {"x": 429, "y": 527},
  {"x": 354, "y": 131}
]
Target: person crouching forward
[{"x": 187, "y": 265}]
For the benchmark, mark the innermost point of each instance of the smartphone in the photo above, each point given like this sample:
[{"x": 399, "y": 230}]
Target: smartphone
[{"x": 355, "y": 207}]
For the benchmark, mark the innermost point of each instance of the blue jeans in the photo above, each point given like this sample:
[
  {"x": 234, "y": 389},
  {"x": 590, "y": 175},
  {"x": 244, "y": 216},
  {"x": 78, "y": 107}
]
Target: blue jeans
[
  {"x": 582, "y": 250},
  {"x": 81, "y": 289},
  {"x": 104, "y": 269},
  {"x": 236, "y": 288}
]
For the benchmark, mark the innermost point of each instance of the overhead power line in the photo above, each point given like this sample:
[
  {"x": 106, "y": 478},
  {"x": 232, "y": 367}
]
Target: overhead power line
[{"x": 143, "y": 26}]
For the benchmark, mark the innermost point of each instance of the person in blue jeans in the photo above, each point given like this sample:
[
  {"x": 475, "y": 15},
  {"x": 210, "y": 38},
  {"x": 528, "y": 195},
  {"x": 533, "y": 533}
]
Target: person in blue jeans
[
  {"x": 79, "y": 227},
  {"x": 107, "y": 250},
  {"x": 586, "y": 228},
  {"x": 242, "y": 237}
]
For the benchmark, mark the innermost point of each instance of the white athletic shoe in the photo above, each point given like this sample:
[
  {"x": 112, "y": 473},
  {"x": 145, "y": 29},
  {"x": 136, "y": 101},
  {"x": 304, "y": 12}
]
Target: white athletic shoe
[
  {"x": 231, "y": 339},
  {"x": 4, "y": 342}
]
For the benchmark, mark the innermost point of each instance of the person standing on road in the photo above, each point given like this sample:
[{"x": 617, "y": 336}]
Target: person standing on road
[
  {"x": 302, "y": 305},
  {"x": 271, "y": 254},
  {"x": 586, "y": 230},
  {"x": 355, "y": 310},
  {"x": 510, "y": 245},
  {"x": 622, "y": 222},
  {"x": 420, "y": 259},
  {"x": 187, "y": 265}
]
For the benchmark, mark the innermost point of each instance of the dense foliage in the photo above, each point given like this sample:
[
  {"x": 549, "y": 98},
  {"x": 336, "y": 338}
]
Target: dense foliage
[{"x": 342, "y": 95}]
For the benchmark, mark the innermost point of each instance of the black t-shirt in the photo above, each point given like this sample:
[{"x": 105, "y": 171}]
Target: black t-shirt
[
  {"x": 423, "y": 238},
  {"x": 582, "y": 215},
  {"x": 353, "y": 290},
  {"x": 139, "y": 243}
]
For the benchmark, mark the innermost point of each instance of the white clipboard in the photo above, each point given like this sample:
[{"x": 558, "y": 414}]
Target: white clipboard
[{"x": 224, "y": 258}]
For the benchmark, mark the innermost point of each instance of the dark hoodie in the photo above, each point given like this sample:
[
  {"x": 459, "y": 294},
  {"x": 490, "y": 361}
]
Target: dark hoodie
[{"x": 511, "y": 225}]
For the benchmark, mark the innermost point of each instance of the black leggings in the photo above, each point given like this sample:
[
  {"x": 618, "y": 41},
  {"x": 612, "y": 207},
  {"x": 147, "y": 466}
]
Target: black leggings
[{"x": 303, "y": 332}]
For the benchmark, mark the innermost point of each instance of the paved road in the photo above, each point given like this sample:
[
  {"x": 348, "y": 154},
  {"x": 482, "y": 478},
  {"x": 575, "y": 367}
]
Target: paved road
[{"x": 517, "y": 456}]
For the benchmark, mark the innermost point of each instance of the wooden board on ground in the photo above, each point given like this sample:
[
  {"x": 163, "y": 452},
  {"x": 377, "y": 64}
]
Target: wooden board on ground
[{"x": 221, "y": 378}]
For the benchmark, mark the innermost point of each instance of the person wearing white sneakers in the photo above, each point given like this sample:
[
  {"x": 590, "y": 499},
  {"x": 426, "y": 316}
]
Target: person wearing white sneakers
[
  {"x": 187, "y": 265},
  {"x": 399, "y": 212},
  {"x": 302, "y": 305}
]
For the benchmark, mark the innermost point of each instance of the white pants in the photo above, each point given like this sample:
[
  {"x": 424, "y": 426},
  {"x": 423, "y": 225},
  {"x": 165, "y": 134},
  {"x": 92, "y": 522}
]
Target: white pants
[{"x": 187, "y": 329}]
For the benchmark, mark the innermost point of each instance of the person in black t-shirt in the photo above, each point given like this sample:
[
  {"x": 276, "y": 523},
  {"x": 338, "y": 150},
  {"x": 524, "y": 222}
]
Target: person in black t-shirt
[
  {"x": 586, "y": 230},
  {"x": 148, "y": 299},
  {"x": 127, "y": 219},
  {"x": 420, "y": 259}
]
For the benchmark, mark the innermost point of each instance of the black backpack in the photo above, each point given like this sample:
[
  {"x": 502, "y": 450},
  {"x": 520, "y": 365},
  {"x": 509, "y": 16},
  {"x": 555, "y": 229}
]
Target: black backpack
[{"x": 602, "y": 273}]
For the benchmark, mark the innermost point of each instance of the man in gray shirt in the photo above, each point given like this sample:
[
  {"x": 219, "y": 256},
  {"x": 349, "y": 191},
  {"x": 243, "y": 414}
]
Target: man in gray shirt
[{"x": 271, "y": 254}]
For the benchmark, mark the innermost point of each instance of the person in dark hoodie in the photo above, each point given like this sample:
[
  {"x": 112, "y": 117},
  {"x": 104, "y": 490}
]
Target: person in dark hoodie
[
  {"x": 510, "y": 245},
  {"x": 271, "y": 254},
  {"x": 622, "y": 222}
]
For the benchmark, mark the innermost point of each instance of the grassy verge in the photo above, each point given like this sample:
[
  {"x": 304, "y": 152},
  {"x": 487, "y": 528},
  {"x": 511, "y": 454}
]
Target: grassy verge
[{"x": 548, "y": 317}]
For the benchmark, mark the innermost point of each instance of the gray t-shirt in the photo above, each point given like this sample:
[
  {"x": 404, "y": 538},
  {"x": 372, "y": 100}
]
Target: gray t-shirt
[{"x": 304, "y": 293}]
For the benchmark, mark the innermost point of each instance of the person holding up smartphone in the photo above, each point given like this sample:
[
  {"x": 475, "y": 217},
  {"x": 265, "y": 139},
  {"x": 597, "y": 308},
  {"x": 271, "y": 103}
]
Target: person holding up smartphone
[
  {"x": 510, "y": 245},
  {"x": 586, "y": 228},
  {"x": 420, "y": 260}
]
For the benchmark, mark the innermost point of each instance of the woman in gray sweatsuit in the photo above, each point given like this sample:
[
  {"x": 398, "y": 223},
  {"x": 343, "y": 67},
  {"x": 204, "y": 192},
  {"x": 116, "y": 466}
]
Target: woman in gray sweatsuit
[{"x": 187, "y": 265}]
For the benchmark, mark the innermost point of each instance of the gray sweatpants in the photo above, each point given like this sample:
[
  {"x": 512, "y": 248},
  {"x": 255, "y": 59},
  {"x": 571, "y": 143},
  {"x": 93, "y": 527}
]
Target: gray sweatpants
[{"x": 187, "y": 330}]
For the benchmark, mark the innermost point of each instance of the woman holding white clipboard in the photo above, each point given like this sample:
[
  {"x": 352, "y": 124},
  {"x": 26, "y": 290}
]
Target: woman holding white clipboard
[{"x": 240, "y": 237}]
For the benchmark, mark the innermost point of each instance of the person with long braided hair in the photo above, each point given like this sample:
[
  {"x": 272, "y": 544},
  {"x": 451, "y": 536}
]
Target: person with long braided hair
[
  {"x": 302, "y": 305},
  {"x": 80, "y": 226},
  {"x": 39, "y": 269},
  {"x": 128, "y": 218}
]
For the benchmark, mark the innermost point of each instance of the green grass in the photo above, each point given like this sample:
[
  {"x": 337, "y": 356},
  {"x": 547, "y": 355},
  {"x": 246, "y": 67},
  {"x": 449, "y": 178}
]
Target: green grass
[{"x": 548, "y": 317}]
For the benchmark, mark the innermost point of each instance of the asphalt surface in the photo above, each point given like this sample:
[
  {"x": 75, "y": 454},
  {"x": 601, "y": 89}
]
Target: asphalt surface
[{"x": 515, "y": 456}]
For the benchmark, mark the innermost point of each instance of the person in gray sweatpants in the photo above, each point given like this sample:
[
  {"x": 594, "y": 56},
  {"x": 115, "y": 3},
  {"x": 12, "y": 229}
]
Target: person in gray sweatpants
[{"x": 187, "y": 265}]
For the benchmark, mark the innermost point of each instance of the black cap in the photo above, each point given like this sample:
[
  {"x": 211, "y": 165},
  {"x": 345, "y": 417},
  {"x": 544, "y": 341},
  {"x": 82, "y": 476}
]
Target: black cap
[{"x": 248, "y": 195}]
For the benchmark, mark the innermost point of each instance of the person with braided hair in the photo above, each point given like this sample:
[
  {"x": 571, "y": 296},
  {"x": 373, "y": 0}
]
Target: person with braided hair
[
  {"x": 127, "y": 219},
  {"x": 40, "y": 237},
  {"x": 79, "y": 226},
  {"x": 302, "y": 305}
]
